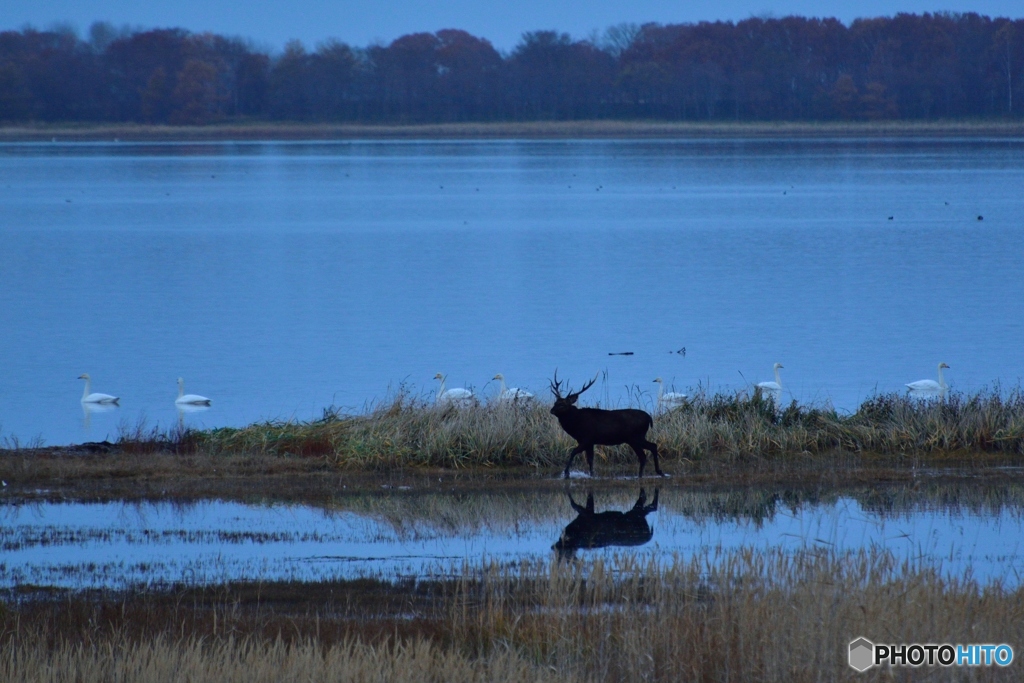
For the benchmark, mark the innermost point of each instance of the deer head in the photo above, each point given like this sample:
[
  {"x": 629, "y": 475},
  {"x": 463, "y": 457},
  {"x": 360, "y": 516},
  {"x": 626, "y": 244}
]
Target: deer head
[{"x": 564, "y": 404}]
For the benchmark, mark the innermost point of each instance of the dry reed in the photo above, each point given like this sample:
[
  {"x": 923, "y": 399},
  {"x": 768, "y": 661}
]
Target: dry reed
[
  {"x": 254, "y": 661},
  {"x": 718, "y": 428},
  {"x": 727, "y": 616},
  {"x": 737, "y": 616}
]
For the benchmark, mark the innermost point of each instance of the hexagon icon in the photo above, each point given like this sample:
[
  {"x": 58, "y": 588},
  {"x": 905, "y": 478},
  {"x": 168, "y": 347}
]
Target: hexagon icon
[{"x": 862, "y": 654}]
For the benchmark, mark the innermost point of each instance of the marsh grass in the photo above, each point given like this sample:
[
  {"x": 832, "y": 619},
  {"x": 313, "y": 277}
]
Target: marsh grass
[
  {"x": 716, "y": 429},
  {"x": 713, "y": 437},
  {"x": 733, "y": 429},
  {"x": 740, "y": 616},
  {"x": 255, "y": 661},
  {"x": 743, "y": 615},
  {"x": 405, "y": 431}
]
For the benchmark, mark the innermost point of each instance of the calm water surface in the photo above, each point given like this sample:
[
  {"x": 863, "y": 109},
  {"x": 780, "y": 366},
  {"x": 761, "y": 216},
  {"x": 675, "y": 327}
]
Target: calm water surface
[
  {"x": 279, "y": 279},
  {"x": 403, "y": 533}
]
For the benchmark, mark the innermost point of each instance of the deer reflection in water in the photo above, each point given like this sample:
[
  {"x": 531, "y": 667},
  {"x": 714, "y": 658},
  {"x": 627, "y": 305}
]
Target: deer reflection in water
[{"x": 602, "y": 529}]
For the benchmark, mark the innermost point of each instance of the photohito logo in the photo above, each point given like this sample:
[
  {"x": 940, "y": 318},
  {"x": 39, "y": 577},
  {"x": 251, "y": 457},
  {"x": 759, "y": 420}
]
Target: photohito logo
[{"x": 864, "y": 654}]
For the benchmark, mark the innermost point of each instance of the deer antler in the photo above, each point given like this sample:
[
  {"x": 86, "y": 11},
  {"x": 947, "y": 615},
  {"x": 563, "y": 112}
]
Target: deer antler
[
  {"x": 585, "y": 387},
  {"x": 555, "y": 385}
]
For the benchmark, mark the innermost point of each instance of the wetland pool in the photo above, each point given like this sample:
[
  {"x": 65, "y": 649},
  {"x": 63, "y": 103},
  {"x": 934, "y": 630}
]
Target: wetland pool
[{"x": 402, "y": 532}]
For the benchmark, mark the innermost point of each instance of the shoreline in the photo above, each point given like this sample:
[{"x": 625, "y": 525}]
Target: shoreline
[
  {"x": 709, "y": 439},
  {"x": 69, "y": 474},
  {"x": 528, "y": 130}
]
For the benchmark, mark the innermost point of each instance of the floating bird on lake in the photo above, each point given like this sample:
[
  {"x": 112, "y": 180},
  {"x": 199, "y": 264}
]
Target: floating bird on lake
[
  {"x": 189, "y": 399},
  {"x": 668, "y": 399},
  {"x": 88, "y": 397},
  {"x": 775, "y": 388},
  {"x": 455, "y": 396},
  {"x": 511, "y": 393},
  {"x": 929, "y": 387}
]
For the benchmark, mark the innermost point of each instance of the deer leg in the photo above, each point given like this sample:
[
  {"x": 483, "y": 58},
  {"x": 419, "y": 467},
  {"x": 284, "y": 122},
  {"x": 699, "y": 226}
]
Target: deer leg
[
  {"x": 640, "y": 455},
  {"x": 654, "y": 504},
  {"x": 590, "y": 459},
  {"x": 653, "y": 447},
  {"x": 572, "y": 456}
]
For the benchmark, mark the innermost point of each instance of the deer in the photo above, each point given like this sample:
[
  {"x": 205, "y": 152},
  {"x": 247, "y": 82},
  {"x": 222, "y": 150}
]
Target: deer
[
  {"x": 597, "y": 427},
  {"x": 603, "y": 529}
]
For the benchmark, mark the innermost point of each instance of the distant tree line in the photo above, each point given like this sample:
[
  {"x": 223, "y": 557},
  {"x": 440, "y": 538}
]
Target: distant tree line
[{"x": 909, "y": 66}]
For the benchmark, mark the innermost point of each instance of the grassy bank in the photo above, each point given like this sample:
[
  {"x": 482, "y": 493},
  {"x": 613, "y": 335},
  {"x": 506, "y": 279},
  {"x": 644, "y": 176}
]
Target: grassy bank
[
  {"x": 737, "y": 616},
  {"x": 711, "y": 436},
  {"x": 262, "y": 130},
  {"x": 709, "y": 430}
]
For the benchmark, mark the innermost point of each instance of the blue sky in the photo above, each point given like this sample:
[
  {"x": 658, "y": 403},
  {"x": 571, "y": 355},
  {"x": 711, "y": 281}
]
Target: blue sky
[{"x": 502, "y": 22}]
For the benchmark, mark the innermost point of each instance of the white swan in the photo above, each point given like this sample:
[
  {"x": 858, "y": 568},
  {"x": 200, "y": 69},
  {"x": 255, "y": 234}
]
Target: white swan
[
  {"x": 775, "y": 388},
  {"x": 449, "y": 396},
  {"x": 513, "y": 393},
  {"x": 929, "y": 387},
  {"x": 88, "y": 397},
  {"x": 668, "y": 399},
  {"x": 189, "y": 399}
]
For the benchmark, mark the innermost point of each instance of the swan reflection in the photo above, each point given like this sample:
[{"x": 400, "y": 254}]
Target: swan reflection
[
  {"x": 610, "y": 528},
  {"x": 188, "y": 408},
  {"x": 89, "y": 408}
]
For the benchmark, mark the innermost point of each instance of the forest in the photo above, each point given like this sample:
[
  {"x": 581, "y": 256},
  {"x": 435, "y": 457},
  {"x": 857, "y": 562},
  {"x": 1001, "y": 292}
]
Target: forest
[{"x": 906, "y": 67}]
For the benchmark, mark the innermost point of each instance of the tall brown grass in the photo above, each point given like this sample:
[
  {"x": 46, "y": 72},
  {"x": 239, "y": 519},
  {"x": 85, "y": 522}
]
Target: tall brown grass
[
  {"x": 405, "y": 431},
  {"x": 727, "y": 429},
  {"x": 716, "y": 616},
  {"x": 254, "y": 661},
  {"x": 738, "y": 616}
]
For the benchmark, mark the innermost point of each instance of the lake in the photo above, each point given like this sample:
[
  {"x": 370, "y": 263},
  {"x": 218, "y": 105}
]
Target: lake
[{"x": 283, "y": 278}]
